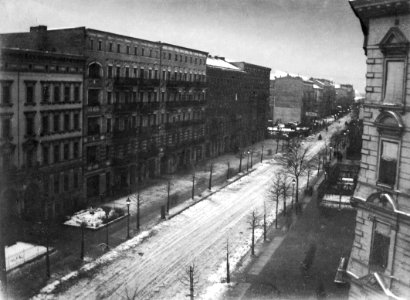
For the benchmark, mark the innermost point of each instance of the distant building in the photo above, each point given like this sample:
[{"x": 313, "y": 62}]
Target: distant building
[
  {"x": 294, "y": 99},
  {"x": 379, "y": 266},
  {"x": 345, "y": 96},
  {"x": 41, "y": 133}
]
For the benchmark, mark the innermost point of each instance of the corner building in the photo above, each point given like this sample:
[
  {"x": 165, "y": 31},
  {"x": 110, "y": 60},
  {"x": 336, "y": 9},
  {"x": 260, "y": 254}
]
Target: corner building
[
  {"x": 379, "y": 265},
  {"x": 41, "y": 133}
]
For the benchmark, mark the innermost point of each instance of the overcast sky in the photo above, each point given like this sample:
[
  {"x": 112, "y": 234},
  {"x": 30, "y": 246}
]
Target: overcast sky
[{"x": 320, "y": 38}]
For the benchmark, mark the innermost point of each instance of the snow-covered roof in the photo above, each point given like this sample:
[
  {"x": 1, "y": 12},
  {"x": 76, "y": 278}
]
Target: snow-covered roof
[
  {"x": 220, "y": 63},
  {"x": 315, "y": 86},
  {"x": 279, "y": 73}
]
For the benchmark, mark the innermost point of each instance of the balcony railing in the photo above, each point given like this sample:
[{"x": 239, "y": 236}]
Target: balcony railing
[
  {"x": 184, "y": 83},
  {"x": 177, "y": 104},
  {"x": 132, "y": 81},
  {"x": 125, "y": 107}
]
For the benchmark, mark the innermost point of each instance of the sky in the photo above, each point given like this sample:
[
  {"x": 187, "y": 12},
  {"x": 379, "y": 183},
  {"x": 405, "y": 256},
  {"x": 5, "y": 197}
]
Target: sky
[{"x": 318, "y": 38}]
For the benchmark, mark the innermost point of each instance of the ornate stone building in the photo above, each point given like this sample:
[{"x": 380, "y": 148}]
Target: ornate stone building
[
  {"x": 379, "y": 265},
  {"x": 41, "y": 132}
]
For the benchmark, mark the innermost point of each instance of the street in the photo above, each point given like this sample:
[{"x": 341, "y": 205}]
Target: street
[{"x": 154, "y": 267}]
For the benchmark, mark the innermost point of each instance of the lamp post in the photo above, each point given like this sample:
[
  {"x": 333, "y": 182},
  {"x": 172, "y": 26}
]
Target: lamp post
[
  {"x": 293, "y": 190},
  {"x": 247, "y": 162},
  {"x": 331, "y": 150},
  {"x": 262, "y": 152},
  {"x": 227, "y": 171},
  {"x": 240, "y": 161},
  {"x": 128, "y": 217},
  {"x": 138, "y": 211},
  {"x": 251, "y": 158}
]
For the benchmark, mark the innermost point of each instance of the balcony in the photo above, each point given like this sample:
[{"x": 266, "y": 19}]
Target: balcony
[
  {"x": 93, "y": 109},
  {"x": 95, "y": 82},
  {"x": 124, "y": 133},
  {"x": 147, "y": 107},
  {"x": 186, "y": 84},
  {"x": 189, "y": 103},
  {"x": 125, "y": 107}
]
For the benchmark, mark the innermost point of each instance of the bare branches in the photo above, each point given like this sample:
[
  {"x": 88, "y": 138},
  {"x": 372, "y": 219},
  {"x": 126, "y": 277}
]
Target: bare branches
[{"x": 190, "y": 278}]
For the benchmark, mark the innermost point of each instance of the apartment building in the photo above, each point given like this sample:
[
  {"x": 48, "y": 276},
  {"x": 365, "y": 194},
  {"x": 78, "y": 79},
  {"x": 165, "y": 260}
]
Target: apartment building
[{"x": 41, "y": 132}]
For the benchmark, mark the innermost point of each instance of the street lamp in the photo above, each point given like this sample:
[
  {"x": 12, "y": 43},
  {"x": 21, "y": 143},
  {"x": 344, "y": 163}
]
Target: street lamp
[
  {"x": 247, "y": 162},
  {"x": 331, "y": 150},
  {"x": 293, "y": 190},
  {"x": 128, "y": 217},
  {"x": 251, "y": 158}
]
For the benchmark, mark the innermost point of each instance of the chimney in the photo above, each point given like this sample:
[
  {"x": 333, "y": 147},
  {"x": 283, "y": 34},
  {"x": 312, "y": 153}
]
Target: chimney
[{"x": 39, "y": 36}]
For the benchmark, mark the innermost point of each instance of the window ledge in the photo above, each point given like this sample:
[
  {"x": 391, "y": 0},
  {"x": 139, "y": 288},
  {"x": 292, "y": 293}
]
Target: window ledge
[
  {"x": 6, "y": 104},
  {"x": 385, "y": 185},
  {"x": 30, "y": 104}
]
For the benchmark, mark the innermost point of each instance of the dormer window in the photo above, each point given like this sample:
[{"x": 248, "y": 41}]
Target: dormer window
[{"x": 394, "y": 47}]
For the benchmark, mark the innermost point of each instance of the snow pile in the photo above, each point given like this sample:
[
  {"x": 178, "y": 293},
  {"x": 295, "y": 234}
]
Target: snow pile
[
  {"x": 91, "y": 217},
  {"x": 20, "y": 252}
]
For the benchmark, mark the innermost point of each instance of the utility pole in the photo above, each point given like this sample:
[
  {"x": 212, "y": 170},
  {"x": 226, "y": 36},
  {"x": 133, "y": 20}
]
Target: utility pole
[
  {"x": 193, "y": 186},
  {"x": 168, "y": 192},
  {"x": 227, "y": 171},
  {"x": 210, "y": 176}
]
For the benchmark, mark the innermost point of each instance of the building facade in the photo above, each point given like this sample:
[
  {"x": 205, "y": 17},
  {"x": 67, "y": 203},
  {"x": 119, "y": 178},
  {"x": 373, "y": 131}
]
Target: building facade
[
  {"x": 41, "y": 132},
  {"x": 379, "y": 266},
  {"x": 143, "y": 108}
]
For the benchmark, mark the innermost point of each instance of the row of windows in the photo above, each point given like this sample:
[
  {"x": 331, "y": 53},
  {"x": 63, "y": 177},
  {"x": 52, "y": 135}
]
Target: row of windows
[
  {"x": 95, "y": 71},
  {"x": 58, "y": 183},
  {"x": 60, "y": 122},
  {"x": 60, "y": 152},
  {"x": 57, "y": 92},
  {"x": 141, "y": 51},
  {"x": 121, "y": 124},
  {"x": 137, "y": 97}
]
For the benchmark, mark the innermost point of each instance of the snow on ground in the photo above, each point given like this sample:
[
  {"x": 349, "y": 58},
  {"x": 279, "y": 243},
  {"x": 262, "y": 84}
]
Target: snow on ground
[
  {"x": 198, "y": 235},
  {"x": 92, "y": 217},
  {"x": 21, "y": 252}
]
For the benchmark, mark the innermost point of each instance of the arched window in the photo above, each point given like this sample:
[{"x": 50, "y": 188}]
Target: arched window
[{"x": 94, "y": 70}]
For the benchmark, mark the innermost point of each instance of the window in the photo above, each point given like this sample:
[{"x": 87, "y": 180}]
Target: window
[
  {"x": 92, "y": 155},
  {"x": 150, "y": 52},
  {"x": 110, "y": 47},
  {"x": 388, "y": 162},
  {"x": 5, "y": 128},
  {"x": 66, "y": 182},
  {"x": 76, "y": 121},
  {"x": 394, "y": 75},
  {"x": 76, "y": 150},
  {"x": 56, "y": 154},
  {"x": 93, "y": 97},
  {"x": 66, "y": 151},
  {"x": 109, "y": 97},
  {"x": 127, "y": 72},
  {"x": 169, "y": 56},
  {"x": 118, "y": 48},
  {"x": 67, "y": 93},
  {"x": 46, "y": 155},
  {"x": 91, "y": 44},
  {"x": 93, "y": 126},
  {"x": 142, "y": 51},
  {"x": 99, "y": 45},
  {"x": 56, "y": 183},
  {"x": 30, "y": 94},
  {"x": 56, "y": 121},
  {"x": 128, "y": 49},
  {"x": 46, "y": 93},
  {"x": 118, "y": 72},
  {"x": 135, "y": 51},
  {"x": 75, "y": 179},
  {"x": 379, "y": 254},
  {"x": 66, "y": 122},
  {"x": 135, "y": 72},
  {"x": 6, "y": 94},
  {"x": 109, "y": 72},
  {"x": 44, "y": 124},
  {"x": 94, "y": 70},
  {"x": 30, "y": 125},
  {"x": 76, "y": 94},
  {"x": 117, "y": 97},
  {"x": 109, "y": 125},
  {"x": 56, "y": 94}
]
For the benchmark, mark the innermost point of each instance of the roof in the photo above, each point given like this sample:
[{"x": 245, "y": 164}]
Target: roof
[
  {"x": 217, "y": 62},
  {"x": 279, "y": 74}
]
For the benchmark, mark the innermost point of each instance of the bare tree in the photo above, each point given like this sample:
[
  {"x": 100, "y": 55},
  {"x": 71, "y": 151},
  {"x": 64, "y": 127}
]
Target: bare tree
[
  {"x": 275, "y": 192},
  {"x": 253, "y": 221},
  {"x": 296, "y": 162},
  {"x": 264, "y": 221},
  {"x": 228, "y": 275},
  {"x": 137, "y": 198},
  {"x": 169, "y": 184},
  {"x": 190, "y": 278},
  {"x": 83, "y": 225},
  {"x": 286, "y": 184}
]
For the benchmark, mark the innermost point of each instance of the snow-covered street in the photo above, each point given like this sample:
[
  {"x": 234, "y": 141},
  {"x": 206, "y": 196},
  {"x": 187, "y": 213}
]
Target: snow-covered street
[{"x": 154, "y": 267}]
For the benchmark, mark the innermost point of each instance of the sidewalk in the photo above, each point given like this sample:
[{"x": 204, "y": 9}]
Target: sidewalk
[
  {"x": 275, "y": 271},
  {"x": 28, "y": 279}
]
